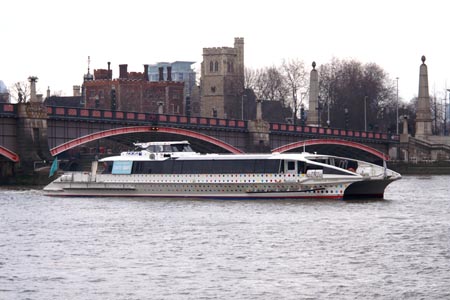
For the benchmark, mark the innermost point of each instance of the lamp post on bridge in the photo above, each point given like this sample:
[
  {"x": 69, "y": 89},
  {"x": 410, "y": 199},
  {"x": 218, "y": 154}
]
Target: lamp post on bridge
[
  {"x": 318, "y": 111},
  {"x": 396, "y": 116},
  {"x": 346, "y": 117},
  {"x": 365, "y": 113},
  {"x": 446, "y": 113},
  {"x": 328, "y": 113},
  {"x": 244, "y": 96}
]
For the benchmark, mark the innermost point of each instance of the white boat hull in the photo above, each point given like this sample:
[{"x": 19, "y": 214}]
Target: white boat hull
[{"x": 233, "y": 186}]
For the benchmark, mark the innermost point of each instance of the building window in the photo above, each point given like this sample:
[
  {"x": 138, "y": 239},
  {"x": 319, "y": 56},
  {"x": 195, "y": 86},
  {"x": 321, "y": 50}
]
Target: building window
[
  {"x": 213, "y": 89},
  {"x": 211, "y": 66},
  {"x": 216, "y": 66}
]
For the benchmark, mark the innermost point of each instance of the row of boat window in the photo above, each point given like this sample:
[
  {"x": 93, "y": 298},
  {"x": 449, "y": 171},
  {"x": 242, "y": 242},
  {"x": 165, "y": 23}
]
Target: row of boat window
[
  {"x": 247, "y": 166},
  {"x": 206, "y": 167}
]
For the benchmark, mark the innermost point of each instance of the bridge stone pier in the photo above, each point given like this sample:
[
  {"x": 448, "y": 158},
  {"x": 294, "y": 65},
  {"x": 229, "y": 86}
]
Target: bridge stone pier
[
  {"x": 32, "y": 142},
  {"x": 259, "y": 132}
]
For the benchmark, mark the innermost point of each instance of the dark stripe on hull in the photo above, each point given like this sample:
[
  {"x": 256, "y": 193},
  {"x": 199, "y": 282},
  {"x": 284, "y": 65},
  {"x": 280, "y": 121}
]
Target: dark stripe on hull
[
  {"x": 367, "y": 189},
  {"x": 202, "y": 197}
]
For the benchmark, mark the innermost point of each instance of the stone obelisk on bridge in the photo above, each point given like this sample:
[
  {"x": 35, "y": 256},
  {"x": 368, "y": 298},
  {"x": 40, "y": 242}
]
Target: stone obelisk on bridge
[
  {"x": 313, "y": 113},
  {"x": 423, "y": 115}
]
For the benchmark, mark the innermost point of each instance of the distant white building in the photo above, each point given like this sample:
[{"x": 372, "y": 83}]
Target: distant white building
[
  {"x": 180, "y": 71},
  {"x": 4, "y": 93}
]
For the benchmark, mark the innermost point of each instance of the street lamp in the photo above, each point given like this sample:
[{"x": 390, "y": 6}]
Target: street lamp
[
  {"x": 396, "y": 118},
  {"x": 446, "y": 113},
  {"x": 365, "y": 113},
  {"x": 318, "y": 111},
  {"x": 328, "y": 117},
  {"x": 242, "y": 106},
  {"x": 346, "y": 117},
  {"x": 302, "y": 114}
]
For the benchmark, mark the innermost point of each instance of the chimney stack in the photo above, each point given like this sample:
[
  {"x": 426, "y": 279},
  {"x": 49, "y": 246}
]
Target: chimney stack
[
  {"x": 109, "y": 70},
  {"x": 33, "y": 80},
  {"x": 123, "y": 72},
  {"x": 76, "y": 91},
  {"x": 146, "y": 73},
  {"x": 169, "y": 73},
  {"x": 48, "y": 92},
  {"x": 161, "y": 73}
]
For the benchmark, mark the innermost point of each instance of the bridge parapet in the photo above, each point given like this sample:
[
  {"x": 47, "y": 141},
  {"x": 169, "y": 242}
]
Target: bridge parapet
[
  {"x": 137, "y": 118},
  {"x": 333, "y": 133}
]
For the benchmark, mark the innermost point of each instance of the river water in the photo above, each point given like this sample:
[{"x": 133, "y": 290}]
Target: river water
[{"x": 98, "y": 248}]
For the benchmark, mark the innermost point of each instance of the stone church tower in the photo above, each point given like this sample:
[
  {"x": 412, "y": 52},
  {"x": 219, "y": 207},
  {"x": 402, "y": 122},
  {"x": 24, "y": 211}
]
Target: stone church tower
[{"x": 222, "y": 81}]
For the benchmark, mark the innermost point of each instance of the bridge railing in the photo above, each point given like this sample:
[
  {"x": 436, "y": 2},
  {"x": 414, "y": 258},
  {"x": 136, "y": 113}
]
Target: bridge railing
[
  {"x": 56, "y": 112},
  {"x": 136, "y": 118},
  {"x": 332, "y": 132},
  {"x": 8, "y": 110}
]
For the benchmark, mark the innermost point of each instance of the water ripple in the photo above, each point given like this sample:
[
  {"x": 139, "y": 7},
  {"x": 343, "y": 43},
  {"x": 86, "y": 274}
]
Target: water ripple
[{"x": 99, "y": 248}]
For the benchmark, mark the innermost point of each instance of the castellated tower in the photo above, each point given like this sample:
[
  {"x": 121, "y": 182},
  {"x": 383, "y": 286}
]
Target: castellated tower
[{"x": 222, "y": 81}]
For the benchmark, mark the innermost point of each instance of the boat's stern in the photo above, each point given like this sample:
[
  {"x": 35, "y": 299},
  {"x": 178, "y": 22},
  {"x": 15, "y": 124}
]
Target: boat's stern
[
  {"x": 60, "y": 184},
  {"x": 53, "y": 188}
]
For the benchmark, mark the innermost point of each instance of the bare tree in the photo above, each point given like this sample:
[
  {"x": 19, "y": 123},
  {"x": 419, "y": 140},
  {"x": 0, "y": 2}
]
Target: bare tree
[
  {"x": 20, "y": 91},
  {"x": 295, "y": 77},
  {"x": 267, "y": 83},
  {"x": 274, "y": 87},
  {"x": 357, "y": 95},
  {"x": 250, "y": 77},
  {"x": 259, "y": 85}
]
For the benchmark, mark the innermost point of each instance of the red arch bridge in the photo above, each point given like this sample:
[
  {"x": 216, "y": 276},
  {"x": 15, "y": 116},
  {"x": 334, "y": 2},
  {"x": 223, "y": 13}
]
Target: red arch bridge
[{"x": 68, "y": 130}]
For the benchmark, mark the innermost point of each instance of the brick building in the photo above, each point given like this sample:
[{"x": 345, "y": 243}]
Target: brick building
[{"x": 133, "y": 91}]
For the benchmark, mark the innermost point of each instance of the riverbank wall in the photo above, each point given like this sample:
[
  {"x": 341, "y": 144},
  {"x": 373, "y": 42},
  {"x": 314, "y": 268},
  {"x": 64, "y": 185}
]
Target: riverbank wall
[{"x": 420, "y": 168}]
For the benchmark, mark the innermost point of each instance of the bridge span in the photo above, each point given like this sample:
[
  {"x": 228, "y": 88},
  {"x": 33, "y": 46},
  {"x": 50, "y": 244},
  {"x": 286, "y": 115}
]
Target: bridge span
[{"x": 26, "y": 127}]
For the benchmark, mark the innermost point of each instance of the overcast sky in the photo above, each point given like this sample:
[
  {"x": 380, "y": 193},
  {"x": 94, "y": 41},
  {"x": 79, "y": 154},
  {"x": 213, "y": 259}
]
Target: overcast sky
[{"x": 51, "y": 39}]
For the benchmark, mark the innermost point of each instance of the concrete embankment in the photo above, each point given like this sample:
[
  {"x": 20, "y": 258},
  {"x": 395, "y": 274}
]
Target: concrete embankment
[
  {"x": 31, "y": 179},
  {"x": 421, "y": 168}
]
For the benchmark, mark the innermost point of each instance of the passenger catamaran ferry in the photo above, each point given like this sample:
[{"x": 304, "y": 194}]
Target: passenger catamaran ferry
[{"x": 174, "y": 170}]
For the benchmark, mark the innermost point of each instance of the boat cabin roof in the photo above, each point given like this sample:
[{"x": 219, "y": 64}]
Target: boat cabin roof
[{"x": 146, "y": 145}]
